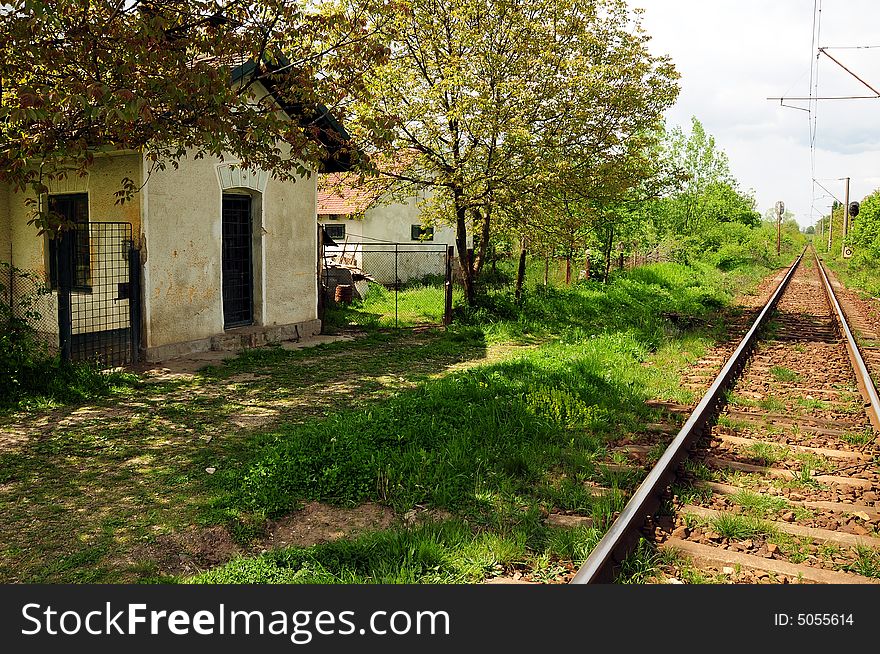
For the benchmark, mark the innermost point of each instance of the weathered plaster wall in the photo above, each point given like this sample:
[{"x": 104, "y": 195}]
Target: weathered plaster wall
[
  {"x": 393, "y": 222},
  {"x": 5, "y": 226},
  {"x": 291, "y": 247},
  {"x": 183, "y": 267}
]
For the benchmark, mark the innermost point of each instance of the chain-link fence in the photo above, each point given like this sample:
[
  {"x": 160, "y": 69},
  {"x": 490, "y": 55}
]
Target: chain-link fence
[
  {"x": 387, "y": 284},
  {"x": 25, "y": 297}
]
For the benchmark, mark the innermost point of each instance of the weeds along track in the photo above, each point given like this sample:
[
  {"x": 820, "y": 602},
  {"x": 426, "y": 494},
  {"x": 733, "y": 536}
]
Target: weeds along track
[{"x": 774, "y": 478}]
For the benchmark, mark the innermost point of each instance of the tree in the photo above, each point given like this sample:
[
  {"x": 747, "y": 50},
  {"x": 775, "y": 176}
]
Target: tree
[
  {"x": 80, "y": 75},
  {"x": 707, "y": 192},
  {"x": 496, "y": 100},
  {"x": 865, "y": 234}
]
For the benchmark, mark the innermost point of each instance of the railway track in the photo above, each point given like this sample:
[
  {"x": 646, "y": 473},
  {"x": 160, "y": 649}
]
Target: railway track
[{"x": 775, "y": 475}]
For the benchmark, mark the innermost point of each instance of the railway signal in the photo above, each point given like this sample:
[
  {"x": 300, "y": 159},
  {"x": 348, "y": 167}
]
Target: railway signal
[{"x": 853, "y": 209}]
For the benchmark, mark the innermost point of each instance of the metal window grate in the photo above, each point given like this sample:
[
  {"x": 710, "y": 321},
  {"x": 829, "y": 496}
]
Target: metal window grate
[
  {"x": 419, "y": 233},
  {"x": 73, "y": 209},
  {"x": 335, "y": 231},
  {"x": 238, "y": 279}
]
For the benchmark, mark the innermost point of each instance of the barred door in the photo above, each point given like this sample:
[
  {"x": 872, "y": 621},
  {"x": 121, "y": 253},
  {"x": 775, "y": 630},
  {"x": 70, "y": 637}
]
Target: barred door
[
  {"x": 96, "y": 273},
  {"x": 238, "y": 270}
]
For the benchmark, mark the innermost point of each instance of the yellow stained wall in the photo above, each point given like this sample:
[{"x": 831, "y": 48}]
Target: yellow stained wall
[
  {"x": 5, "y": 226},
  {"x": 29, "y": 249},
  {"x": 291, "y": 247}
]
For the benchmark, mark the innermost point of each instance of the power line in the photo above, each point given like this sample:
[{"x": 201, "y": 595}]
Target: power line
[
  {"x": 850, "y": 47},
  {"x": 876, "y": 92},
  {"x": 812, "y": 114}
]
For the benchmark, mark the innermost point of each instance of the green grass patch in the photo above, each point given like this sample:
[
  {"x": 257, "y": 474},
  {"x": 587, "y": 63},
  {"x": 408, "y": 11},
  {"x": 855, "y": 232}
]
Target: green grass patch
[
  {"x": 447, "y": 552},
  {"x": 759, "y": 504},
  {"x": 739, "y": 526},
  {"x": 782, "y": 374}
]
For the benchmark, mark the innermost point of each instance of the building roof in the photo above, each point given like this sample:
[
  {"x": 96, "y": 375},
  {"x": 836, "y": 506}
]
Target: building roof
[
  {"x": 321, "y": 125},
  {"x": 346, "y": 194}
]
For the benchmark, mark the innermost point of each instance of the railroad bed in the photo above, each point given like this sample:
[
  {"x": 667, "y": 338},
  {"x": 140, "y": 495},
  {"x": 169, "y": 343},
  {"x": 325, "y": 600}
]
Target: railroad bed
[{"x": 774, "y": 476}]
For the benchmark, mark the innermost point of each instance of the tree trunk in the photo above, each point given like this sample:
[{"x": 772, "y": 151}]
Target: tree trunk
[
  {"x": 520, "y": 272},
  {"x": 484, "y": 219},
  {"x": 464, "y": 261},
  {"x": 608, "y": 247},
  {"x": 587, "y": 266},
  {"x": 546, "y": 269},
  {"x": 568, "y": 269}
]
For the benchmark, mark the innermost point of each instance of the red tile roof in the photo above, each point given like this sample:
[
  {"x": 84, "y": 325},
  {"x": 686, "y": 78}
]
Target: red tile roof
[
  {"x": 353, "y": 193},
  {"x": 347, "y": 193}
]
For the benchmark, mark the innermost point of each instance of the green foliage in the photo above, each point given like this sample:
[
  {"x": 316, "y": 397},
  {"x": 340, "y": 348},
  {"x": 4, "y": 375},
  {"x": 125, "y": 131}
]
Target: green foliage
[
  {"x": 465, "y": 440},
  {"x": 634, "y": 304},
  {"x": 154, "y": 83},
  {"x": 739, "y": 527},
  {"x": 20, "y": 348},
  {"x": 708, "y": 193},
  {"x": 861, "y": 270},
  {"x": 419, "y": 302},
  {"x": 466, "y": 93}
]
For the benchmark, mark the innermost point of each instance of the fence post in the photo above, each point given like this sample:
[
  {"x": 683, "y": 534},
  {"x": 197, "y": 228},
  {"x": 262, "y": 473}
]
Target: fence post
[
  {"x": 64, "y": 265},
  {"x": 396, "y": 285},
  {"x": 134, "y": 300},
  {"x": 320, "y": 271},
  {"x": 447, "y": 307}
]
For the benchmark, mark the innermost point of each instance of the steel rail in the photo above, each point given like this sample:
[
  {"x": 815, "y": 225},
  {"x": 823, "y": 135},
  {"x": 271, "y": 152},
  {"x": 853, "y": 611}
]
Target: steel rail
[
  {"x": 863, "y": 377},
  {"x": 622, "y": 537}
]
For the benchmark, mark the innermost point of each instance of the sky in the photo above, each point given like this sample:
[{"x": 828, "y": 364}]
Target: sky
[{"x": 734, "y": 54}]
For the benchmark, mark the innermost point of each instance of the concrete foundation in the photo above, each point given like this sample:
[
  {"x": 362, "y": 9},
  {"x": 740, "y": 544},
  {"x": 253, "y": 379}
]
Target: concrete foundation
[{"x": 233, "y": 340}]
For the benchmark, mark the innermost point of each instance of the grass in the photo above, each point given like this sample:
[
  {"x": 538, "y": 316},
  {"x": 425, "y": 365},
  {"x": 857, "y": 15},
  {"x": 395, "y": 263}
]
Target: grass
[
  {"x": 446, "y": 552},
  {"x": 859, "y": 438},
  {"x": 496, "y": 421},
  {"x": 47, "y": 383},
  {"x": 771, "y": 404},
  {"x": 765, "y": 453},
  {"x": 416, "y": 303},
  {"x": 739, "y": 527},
  {"x": 759, "y": 504},
  {"x": 782, "y": 374},
  {"x": 867, "y": 562}
]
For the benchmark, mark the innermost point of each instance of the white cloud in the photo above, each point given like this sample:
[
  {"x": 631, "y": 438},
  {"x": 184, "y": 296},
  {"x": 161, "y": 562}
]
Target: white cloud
[{"x": 733, "y": 54}]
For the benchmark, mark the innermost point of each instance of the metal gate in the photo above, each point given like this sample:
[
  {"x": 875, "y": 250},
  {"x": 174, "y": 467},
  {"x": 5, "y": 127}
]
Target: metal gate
[
  {"x": 395, "y": 284},
  {"x": 97, "y": 276}
]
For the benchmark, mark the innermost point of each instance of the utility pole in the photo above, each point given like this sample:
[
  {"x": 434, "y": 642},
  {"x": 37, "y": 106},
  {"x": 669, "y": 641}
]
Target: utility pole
[
  {"x": 845, "y": 218},
  {"x": 830, "y": 226},
  {"x": 780, "y": 209}
]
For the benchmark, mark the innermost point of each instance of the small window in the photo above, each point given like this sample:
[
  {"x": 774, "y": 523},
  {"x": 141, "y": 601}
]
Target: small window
[
  {"x": 336, "y": 232},
  {"x": 420, "y": 233},
  {"x": 73, "y": 209}
]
